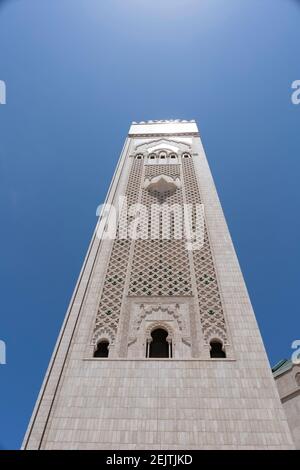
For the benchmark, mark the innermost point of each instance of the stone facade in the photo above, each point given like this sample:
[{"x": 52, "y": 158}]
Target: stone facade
[
  {"x": 287, "y": 377},
  {"x": 131, "y": 287}
]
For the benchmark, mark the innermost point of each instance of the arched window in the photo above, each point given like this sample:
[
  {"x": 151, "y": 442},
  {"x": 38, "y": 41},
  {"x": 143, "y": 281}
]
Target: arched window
[
  {"x": 186, "y": 155},
  {"x": 297, "y": 378},
  {"x": 173, "y": 155},
  {"x": 102, "y": 349},
  {"x": 159, "y": 346},
  {"x": 216, "y": 349},
  {"x": 139, "y": 156}
]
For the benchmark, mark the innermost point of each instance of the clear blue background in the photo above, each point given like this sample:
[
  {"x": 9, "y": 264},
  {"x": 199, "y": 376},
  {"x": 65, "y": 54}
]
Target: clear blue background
[{"x": 77, "y": 73}]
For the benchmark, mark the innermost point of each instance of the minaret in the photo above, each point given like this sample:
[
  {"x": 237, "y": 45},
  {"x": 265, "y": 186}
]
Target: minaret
[{"x": 160, "y": 348}]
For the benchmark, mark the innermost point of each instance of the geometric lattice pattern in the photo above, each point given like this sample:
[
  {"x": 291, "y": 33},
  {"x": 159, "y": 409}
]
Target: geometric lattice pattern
[
  {"x": 161, "y": 267},
  {"x": 211, "y": 313},
  {"x": 112, "y": 293}
]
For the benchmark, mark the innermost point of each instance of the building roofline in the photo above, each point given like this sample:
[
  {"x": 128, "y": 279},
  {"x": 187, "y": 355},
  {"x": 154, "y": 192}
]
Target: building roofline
[{"x": 281, "y": 367}]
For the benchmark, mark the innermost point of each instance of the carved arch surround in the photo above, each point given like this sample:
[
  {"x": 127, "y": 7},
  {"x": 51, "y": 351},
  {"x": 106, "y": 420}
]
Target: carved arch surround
[
  {"x": 157, "y": 324},
  {"x": 183, "y": 146},
  {"x": 172, "y": 310},
  {"x": 104, "y": 333},
  {"x": 168, "y": 316},
  {"x": 215, "y": 333},
  {"x": 162, "y": 183}
]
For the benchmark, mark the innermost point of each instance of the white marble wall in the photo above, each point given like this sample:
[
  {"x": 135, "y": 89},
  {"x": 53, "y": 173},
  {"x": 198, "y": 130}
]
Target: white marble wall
[
  {"x": 166, "y": 405},
  {"x": 289, "y": 390}
]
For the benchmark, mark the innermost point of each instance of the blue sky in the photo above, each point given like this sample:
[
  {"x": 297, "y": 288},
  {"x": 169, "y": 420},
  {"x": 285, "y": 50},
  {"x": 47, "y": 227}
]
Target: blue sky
[{"x": 77, "y": 73}]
